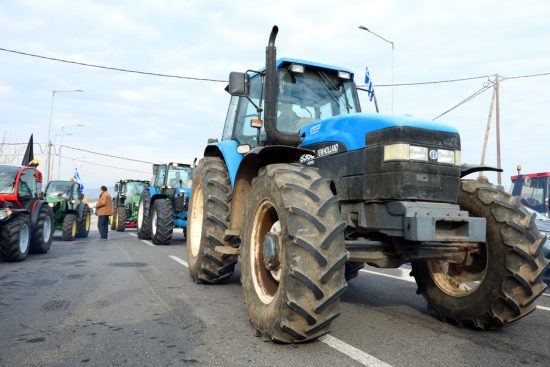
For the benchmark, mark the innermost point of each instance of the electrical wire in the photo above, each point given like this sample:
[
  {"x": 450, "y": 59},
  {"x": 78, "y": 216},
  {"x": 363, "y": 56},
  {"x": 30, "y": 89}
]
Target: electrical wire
[
  {"x": 106, "y": 155},
  {"x": 39, "y": 145},
  {"x": 114, "y": 68},
  {"x": 525, "y": 76},
  {"x": 485, "y": 87},
  {"x": 103, "y": 165},
  {"x": 430, "y": 82}
]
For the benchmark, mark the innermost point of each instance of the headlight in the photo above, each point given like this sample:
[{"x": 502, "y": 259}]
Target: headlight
[
  {"x": 445, "y": 156},
  {"x": 51, "y": 204},
  {"x": 4, "y": 213},
  {"x": 405, "y": 152}
]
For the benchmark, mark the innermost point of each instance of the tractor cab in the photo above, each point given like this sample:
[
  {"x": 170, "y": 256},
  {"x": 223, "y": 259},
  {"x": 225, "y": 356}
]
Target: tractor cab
[
  {"x": 306, "y": 93},
  {"x": 532, "y": 189}
]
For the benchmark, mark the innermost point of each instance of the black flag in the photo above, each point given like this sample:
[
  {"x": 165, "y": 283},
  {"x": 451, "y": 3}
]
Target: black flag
[{"x": 29, "y": 154}]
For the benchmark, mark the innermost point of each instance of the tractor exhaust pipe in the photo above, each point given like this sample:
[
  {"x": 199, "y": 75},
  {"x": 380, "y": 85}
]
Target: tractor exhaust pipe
[{"x": 274, "y": 135}]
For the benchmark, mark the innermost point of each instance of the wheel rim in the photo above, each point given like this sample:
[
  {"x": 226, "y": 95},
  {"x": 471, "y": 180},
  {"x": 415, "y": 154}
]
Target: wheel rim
[
  {"x": 266, "y": 281},
  {"x": 73, "y": 228},
  {"x": 116, "y": 221},
  {"x": 153, "y": 222},
  {"x": 24, "y": 237},
  {"x": 140, "y": 215},
  {"x": 88, "y": 219},
  {"x": 47, "y": 229},
  {"x": 459, "y": 280},
  {"x": 195, "y": 221}
]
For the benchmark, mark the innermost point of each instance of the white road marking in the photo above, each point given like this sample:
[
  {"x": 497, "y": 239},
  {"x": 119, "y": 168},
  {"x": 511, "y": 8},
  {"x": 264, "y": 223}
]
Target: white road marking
[
  {"x": 352, "y": 352},
  {"x": 144, "y": 241},
  {"x": 404, "y": 276},
  {"x": 181, "y": 261}
]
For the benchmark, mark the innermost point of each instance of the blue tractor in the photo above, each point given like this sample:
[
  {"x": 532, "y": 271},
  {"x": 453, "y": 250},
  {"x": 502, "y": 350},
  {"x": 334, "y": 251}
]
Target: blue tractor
[
  {"x": 306, "y": 189},
  {"x": 163, "y": 205}
]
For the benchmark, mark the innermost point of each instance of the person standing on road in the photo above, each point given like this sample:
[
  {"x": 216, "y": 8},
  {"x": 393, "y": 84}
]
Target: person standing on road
[{"x": 104, "y": 209}]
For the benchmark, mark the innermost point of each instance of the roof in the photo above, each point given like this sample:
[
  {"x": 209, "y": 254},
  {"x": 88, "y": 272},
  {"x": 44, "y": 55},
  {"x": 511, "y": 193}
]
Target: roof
[
  {"x": 532, "y": 175},
  {"x": 290, "y": 60}
]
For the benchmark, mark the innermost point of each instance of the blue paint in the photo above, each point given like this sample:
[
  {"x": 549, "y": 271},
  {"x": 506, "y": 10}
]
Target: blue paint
[
  {"x": 228, "y": 148},
  {"x": 351, "y": 130}
]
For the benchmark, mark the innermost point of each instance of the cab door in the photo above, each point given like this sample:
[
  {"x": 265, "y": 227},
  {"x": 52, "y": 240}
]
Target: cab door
[{"x": 27, "y": 187}]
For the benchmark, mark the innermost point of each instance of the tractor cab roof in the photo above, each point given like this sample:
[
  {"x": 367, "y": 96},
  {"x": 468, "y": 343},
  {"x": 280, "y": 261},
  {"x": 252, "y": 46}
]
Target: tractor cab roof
[
  {"x": 288, "y": 61},
  {"x": 532, "y": 175}
]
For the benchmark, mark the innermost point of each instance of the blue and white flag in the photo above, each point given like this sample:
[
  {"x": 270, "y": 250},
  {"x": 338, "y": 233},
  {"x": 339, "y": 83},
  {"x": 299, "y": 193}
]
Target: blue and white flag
[
  {"x": 368, "y": 83},
  {"x": 77, "y": 179}
]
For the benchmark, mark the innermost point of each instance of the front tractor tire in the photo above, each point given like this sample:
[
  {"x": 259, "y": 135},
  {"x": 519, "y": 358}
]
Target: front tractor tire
[
  {"x": 15, "y": 238},
  {"x": 144, "y": 218},
  {"x": 83, "y": 226},
  {"x": 70, "y": 225},
  {"x": 208, "y": 219},
  {"x": 500, "y": 285},
  {"x": 293, "y": 254},
  {"x": 42, "y": 233},
  {"x": 120, "y": 219},
  {"x": 162, "y": 222}
]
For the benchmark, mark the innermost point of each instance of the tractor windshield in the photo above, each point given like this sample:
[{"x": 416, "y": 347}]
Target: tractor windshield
[
  {"x": 59, "y": 189},
  {"x": 311, "y": 96},
  {"x": 179, "y": 177},
  {"x": 534, "y": 193},
  {"x": 8, "y": 174},
  {"x": 132, "y": 188}
]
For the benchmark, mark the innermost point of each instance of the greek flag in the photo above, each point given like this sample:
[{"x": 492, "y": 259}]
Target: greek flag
[
  {"x": 368, "y": 83},
  {"x": 77, "y": 179}
]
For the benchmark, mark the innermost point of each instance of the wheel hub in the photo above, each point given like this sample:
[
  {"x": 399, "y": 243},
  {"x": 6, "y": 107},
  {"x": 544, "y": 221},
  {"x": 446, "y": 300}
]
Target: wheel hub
[{"x": 271, "y": 251}]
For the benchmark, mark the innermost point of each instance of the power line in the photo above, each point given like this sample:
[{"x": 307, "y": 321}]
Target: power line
[
  {"x": 467, "y": 99},
  {"x": 39, "y": 145},
  {"x": 525, "y": 76},
  {"x": 107, "y": 155},
  {"x": 432, "y": 82},
  {"x": 103, "y": 165},
  {"x": 114, "y": 68}
]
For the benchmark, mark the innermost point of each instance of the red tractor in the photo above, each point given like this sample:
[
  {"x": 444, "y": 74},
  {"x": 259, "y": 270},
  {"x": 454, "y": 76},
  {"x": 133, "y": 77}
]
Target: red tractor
[{"x": 26, "y": 220}]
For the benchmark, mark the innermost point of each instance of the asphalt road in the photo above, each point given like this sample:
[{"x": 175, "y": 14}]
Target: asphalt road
[{"x": 125, "y": 302}]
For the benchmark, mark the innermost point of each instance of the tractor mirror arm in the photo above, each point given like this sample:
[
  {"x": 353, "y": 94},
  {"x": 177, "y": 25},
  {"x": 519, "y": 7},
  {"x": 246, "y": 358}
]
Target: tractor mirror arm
[{"x": 467, "y": 169}]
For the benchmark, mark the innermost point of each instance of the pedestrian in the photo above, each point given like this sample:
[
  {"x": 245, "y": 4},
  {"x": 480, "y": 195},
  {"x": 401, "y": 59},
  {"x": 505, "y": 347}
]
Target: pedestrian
[{"x": 104, "y": 209}]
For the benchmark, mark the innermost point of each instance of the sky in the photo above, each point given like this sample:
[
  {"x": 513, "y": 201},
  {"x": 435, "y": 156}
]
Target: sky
[{"x": 160, "y": 119}]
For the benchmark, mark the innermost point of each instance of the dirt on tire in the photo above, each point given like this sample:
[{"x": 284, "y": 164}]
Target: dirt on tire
[
  {"x": 514, "y": 264},
  {"x": 209, "y": 210},
  {"x": 303, "y": 302}
]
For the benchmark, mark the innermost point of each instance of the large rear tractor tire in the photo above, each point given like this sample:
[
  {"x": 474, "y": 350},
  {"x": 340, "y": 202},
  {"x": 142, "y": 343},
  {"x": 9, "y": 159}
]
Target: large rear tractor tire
[
  {"x": 83, "y": 226},
  {"x": 499, "y": 286},
  {"x": 120, "y": 219},
  {"x": 162, "y": 222},
  {"x": 15, "y": 238},
  {"x": 42, "y": 233},
  {"x": 208, "y": 218},
  {"x": 112, "y": 221},
  {"x": 70, "y": 225},
  {"x": 293, "y": 254},
  {"x": 144, "y": 218}
]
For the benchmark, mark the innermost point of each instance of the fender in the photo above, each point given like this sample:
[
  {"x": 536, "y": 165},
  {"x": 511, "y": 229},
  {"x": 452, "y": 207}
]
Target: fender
[
  {"x": 226, "y": 149},
  {"x": 35, "y": 210},
  {"x": 248, "y": 169}
]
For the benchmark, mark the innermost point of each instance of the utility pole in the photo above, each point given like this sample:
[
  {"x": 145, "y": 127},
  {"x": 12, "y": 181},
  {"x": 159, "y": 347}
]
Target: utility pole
[
  {"x": 487, "y": 130},
  {"x": 497, "y": 115}
]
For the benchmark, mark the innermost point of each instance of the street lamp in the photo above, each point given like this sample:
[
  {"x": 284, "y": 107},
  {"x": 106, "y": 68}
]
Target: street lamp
[
  {"x": 61, "y": 145},
  {"x": 49, "y": 165},
  {"x": 392, "y": 49}
]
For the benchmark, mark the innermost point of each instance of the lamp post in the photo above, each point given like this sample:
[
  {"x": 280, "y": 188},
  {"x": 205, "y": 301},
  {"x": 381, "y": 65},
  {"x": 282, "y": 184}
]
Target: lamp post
[
  {"x": 392, "y": 49},
  {"x": 50, "y": 165},
  {"x": 61, "y": 145}
]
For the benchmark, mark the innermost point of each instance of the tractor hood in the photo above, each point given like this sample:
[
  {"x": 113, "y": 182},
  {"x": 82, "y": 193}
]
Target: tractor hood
[{"x": 351, "y": 130}]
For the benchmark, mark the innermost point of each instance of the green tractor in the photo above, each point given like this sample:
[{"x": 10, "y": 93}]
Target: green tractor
[
  {"x": 71, "y": 214},
  {"x": 126, "y": 204},
  {"x": 306, "y": 189}
]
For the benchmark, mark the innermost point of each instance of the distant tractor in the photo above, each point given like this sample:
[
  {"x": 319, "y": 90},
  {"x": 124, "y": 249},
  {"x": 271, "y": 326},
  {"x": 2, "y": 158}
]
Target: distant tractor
[
  {"x": 26, "y": 220},
  {"x": 163, "y": 206},
  {"x": 126, "y": 203},
  {"x": 72, "y": 214},
  {"x": 306, "y": 189},
  {"x": 533, "y": 190}
]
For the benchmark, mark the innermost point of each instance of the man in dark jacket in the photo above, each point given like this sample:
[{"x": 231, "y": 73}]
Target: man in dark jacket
[{"x": 104, "y": 209}]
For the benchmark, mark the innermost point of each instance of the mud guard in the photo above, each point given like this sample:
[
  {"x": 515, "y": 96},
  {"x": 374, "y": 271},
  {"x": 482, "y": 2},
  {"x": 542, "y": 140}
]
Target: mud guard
[
  {"x": 36, "y": 212},
  {"x": 248, "y": 169}
]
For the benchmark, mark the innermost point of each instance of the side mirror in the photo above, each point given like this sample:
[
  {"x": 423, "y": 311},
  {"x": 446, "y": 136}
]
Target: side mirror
[
  {"x": 116, "y": 187},
  {"x": 238, "y": 84}
]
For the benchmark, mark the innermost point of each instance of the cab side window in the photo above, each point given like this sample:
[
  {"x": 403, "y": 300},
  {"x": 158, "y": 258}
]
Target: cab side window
[{"x": 27, "y": 187}]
